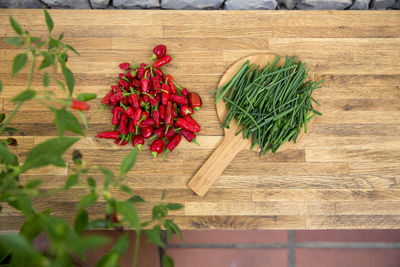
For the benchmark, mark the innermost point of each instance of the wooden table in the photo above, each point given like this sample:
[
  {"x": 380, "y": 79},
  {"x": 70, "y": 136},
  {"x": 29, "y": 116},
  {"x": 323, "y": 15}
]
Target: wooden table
[{"x": 344, "y": 174}]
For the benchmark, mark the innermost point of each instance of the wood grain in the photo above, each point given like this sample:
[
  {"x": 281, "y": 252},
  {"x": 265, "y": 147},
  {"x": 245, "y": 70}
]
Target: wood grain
[{"x": 344, "y": 174}]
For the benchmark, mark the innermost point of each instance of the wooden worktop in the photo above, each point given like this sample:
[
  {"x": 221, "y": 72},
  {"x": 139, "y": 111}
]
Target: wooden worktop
[{"x": 344, "y": 174}]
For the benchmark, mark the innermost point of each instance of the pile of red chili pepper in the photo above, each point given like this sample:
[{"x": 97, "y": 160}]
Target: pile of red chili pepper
[{"x": 148, "y": 104}]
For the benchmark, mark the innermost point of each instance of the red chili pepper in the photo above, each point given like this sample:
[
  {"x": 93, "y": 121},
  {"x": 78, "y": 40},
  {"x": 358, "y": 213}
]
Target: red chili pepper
[
  {"x": 195, "y": 100},
  {"x": 138, "y": 116},
  {"x": 191, "y": 137},
  {"x": 154, "y": 100},
  {"x": 186, "y": 110},
  {"x": 169, "y": 114},
  {"x": 147, "y": 132},
  {"x": 106, "y": 98},
  {"x": 145, "y": 115},
  {"x": 123, "y": 83},
  {"x": 162, "y": 61},
  {"x": 187, "y": 125},
  {"x": 121, "y": 75},
  {"x": 146, "y": 123},
  {"x": 156, "y": 117},
  {"x": 123, "y": 124},
  {"x": 115, "y": 98},
  {"x": 165, "y": 94},
  {"x": 170, "y": 133},
  {"x": 135, "y": 100},
  {"x": 143, "y": 65},
  {"x": 124, "y": 66},
  {"x": 116, "y": 115},
  {"x": 79, "y": 105},
  {"x": 121, "y": 143},
  {"x": 130, "y": 112},
  {"x": 157, "y": 147},
  {"x": 145, "y": 84},
  {"x": 192, "y": 121},
  {"x": 145, "y": 98},
  {"x": 179, "y": 99},
  {"x": 109, "y": 135},
  {"x": 159, "y": 51},
  {"x": 131, "y": 127},
  {"x": 155, "y": 82},
  {"x": 131, "y": 74},
  {"x": 162, "y": 112},
  {"x": 136, "y": 83},
  {"x": 138, "y": 141},
  {"x": 174, "y": 111},
  {"x": 184, "y": 91},
  {"x": 171, "y": 84},
  {"x": 140, "y": 73},
  {"x": 159, "y": 132},
  {"x": 159, "y": 72},
  {"x": 170, "y": 146},
  {"x": 115, "y": 89}
]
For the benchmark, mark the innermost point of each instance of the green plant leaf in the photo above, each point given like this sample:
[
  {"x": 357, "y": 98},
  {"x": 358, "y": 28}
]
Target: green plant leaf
[
  {"x": 14, "y": 41},
  {"x": 159, "y": 210},
  {"x": 87, "y": 200},
  {"x": 61, "y": 36},
  {"x": 109, "y": 260},
  {"x": 49, "y": 21},
  {"x": 154, "y": 236},
  {"x": 48, "y": 153},
  {"x": 99, "y": 223},
  {"x": 15, "y": 25},
  {"x": 72, "y": 49},
  {"x": 83, "y": 119},
  {"x": 163, "y": 194},
  {"x": 19, "y": 62},
  {"x": 86, "y": 96},
  {"x": 48, "y": 60},
  {"x": 1, "y": 86},
  {"x": 126, "y": 189},
  {"x": 6, "y": 156},
  {"x": 109, "y": 177},
  {"x": 171, "y": 225},
  {"x": 46, "y": 79},
  {"x": 24, "y": 96},
  {"x": 22, "y": 250},
  {"x": 2, "y": 117},
  {"x": 129, "y": 212},
  {"x": 60, "y": 84},
  {"x": 33, "y": 183},
  {"x": 167, "y": 261},
  {"x": 174, "y": 206},
  {"x": 136, "y": 199},
  {"x": 32, "y": 227},
  {"x": 128, "y": 162},
  {"x": 10, "y": 130},
  {"x": 65, "y": 120},
  {"x": 72, "y": 180},
  {"x": 91, "y": 182},
  {"x": 81, "y": 221},
  {"x": 122, "y": 244},
  {"x": 69, "y": 78},
  {"x": 89, "y": 242}
]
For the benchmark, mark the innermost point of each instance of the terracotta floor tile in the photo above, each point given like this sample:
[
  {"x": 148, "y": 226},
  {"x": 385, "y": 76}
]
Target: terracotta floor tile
[
  {"x": 348, "y": 257},
  {"x": 228, "y": 257},
  {"x": 348, "y": 236},
  {"x": 231, "y": 237}
]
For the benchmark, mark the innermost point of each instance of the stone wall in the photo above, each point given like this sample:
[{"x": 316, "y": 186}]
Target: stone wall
[{"x": 203, "y": 4}]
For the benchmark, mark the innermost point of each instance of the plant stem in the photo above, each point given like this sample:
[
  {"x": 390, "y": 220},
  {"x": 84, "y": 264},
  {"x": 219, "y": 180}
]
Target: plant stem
[
  {"x": 4, "y": 125},
  {"x": 31, "y": 70},
  {"x": 136, "y": 252}
]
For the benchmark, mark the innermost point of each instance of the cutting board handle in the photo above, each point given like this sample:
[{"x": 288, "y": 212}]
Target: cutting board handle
[{"x": 216, "y": 164}]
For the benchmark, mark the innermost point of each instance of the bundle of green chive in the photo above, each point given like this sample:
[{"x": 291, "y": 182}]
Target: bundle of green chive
[{"x": 272, "y": 103}]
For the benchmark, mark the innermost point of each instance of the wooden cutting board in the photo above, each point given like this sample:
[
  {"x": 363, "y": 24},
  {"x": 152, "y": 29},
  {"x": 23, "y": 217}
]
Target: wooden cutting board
[
  {"x": 344, "y": 174},
  {"x": 231, "y": 144}
]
